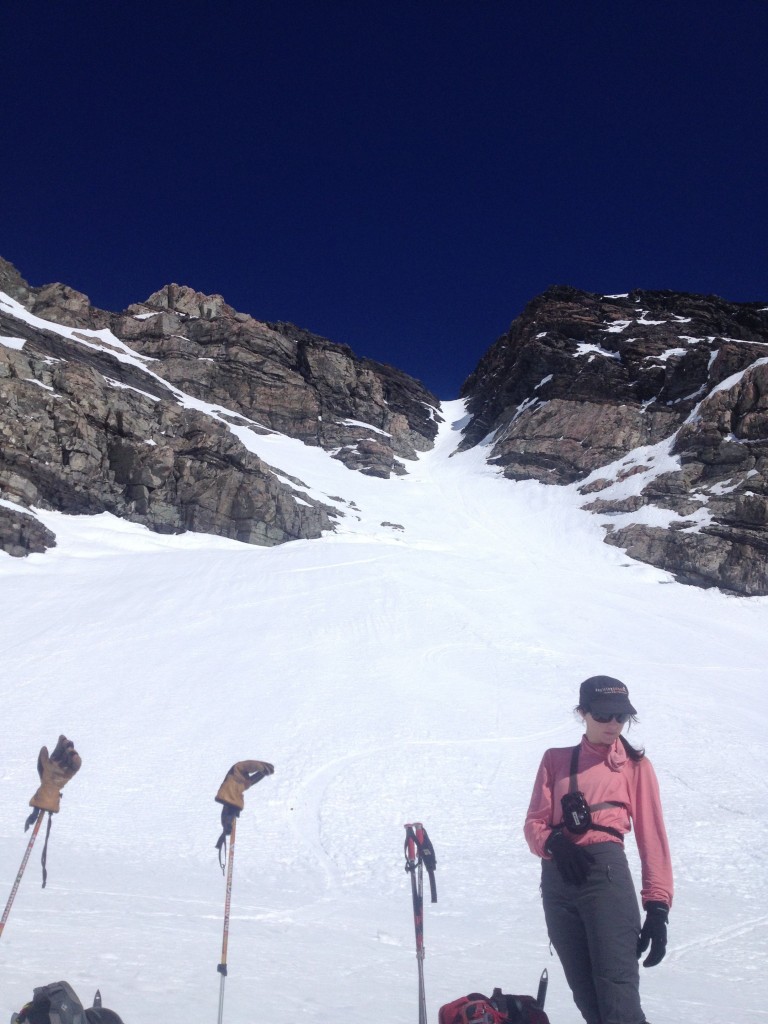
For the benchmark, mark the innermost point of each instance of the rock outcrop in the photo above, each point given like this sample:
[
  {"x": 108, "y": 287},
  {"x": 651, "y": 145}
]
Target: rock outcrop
[
  {"x": 97, "y": 414},
  {"x": 652, "y": 407},
  {"x": 369, "y": 415},
  {"x": 21, "y": 533},
  {"x": 655, "y": 406},
  {"x": 79, "y": 435}
]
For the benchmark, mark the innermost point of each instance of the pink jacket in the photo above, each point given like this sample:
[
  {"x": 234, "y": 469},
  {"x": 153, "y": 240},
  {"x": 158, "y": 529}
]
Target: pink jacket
[{"x": 606, "y": 773}]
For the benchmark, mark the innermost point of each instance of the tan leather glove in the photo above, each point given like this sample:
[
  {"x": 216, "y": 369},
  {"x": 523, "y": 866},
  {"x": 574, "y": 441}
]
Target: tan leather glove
[
  {"x": 242, "y": 776},
  {"x": 55, "y": 772}
]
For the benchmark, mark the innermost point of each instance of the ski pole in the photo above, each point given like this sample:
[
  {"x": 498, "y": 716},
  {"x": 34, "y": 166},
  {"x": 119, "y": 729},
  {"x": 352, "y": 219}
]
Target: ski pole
[
  {"x": 222, "y": 968},
  {"x": 418, "y": 854},
  {"x": 16, "y": 884},
  {"x": 241, "y": 776},
  {"x": 413, "y": 866},
  {"x": 541, "y": 995}
]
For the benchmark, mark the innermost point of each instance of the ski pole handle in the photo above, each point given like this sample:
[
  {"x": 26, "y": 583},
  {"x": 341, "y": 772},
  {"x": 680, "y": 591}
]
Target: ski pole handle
[{"x": 419, "y": 851}]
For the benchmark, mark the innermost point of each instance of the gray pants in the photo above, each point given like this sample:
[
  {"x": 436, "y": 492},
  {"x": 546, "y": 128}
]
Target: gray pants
[{"x": 594, "y": 928}]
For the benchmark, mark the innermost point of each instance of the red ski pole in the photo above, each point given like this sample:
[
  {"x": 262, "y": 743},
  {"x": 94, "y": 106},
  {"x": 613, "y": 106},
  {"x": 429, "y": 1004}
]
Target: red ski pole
[
  {"x": 418, "y": 852},
  {"x": 16, "y": 884}
]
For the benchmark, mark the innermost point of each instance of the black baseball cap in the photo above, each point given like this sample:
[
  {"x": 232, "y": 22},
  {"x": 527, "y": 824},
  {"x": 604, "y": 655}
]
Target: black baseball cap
[{"x": 605, "y": 695}]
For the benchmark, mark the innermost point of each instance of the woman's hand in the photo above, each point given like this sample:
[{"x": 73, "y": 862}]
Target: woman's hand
[
  {"x": 572, "y": 861},
  {"x": 654, "y": 933}
]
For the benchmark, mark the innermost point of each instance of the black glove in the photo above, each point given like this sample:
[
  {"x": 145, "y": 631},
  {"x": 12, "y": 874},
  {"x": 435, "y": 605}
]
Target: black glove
[
  {"x": 572, "y": 861},
  {"x": 654, "y": 933}
]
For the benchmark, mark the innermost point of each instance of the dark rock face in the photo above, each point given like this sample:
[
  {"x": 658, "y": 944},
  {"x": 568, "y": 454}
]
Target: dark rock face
[
  {"x": 722, "y": 450},
  {"x": 652, "y": 406},
  {"x": 78, "y": 439},
  {"x": 368, "y": 414},
  {"x": 656, "y": 401},
  {"x": 21, "y": 534},
  {"x": 90, "y": 425}
]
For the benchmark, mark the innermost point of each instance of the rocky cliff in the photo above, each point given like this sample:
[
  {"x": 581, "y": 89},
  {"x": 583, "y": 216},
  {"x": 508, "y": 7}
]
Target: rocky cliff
[
  {"x": 654, "y": 406},
  {"x": 132, "y": 414}
]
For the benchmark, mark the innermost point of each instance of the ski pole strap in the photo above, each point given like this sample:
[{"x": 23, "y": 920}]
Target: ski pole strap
[
  {"x": 44, "y": 857},
  {"x": 228, "y": 814},
  {"x": 221, "y": 846},
  {"x": 430, "y": 862},
  {"x": 419, "y": 850},
  {"x": 31, "y": 821}
]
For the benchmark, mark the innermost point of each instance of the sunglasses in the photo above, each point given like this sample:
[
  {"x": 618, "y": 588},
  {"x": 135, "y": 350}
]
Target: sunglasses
[{"x": 621, "y": 719}]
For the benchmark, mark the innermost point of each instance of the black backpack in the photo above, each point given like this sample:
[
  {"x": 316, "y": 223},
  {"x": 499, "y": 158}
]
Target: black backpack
[{"x": 57, "y": 1003}]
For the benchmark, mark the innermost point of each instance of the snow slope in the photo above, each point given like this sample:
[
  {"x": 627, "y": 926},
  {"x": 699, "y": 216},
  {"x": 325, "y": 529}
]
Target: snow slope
[{"x": 410, "y": 671}]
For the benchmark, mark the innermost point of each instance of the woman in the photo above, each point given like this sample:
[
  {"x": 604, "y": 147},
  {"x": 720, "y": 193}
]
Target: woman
[{"x": 585, "y": 800}]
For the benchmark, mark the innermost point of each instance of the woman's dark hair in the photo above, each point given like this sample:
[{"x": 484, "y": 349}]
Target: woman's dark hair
[{"x": 633, "y": 753}]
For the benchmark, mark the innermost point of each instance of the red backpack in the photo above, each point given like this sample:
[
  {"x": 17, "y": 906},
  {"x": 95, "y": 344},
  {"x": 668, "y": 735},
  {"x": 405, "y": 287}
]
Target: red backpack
[
  {"x": 498, "y": 1009},
  {"x": 472, "y": 1009}
]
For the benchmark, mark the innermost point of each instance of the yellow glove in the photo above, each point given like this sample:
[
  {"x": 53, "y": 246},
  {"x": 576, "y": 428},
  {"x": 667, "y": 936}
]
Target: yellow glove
[
  {"x": 55, "y": 772},
  {"x": 242, "y": 776}
]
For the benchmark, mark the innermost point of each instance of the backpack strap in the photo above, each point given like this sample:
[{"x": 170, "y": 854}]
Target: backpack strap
[{"x": 575, "y": 768}]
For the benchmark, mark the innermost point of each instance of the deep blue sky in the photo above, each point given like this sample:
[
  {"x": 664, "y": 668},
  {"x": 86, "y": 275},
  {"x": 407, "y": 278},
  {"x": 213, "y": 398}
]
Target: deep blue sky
[{"x": 399, "y": 175}]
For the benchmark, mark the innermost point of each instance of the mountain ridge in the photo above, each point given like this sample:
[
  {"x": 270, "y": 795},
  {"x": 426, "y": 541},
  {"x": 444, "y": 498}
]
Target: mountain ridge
[
  {"x": 655, "y": 401},
  {"x": 652, "y": 406}
]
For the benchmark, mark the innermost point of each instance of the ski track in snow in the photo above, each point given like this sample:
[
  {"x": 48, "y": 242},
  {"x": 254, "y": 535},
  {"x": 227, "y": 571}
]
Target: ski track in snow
[{"x": 392, "y": 676}]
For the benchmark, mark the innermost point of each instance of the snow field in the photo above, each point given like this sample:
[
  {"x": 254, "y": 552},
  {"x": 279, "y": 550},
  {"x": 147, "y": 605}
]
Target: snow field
[{"x": 391, "y": 675}]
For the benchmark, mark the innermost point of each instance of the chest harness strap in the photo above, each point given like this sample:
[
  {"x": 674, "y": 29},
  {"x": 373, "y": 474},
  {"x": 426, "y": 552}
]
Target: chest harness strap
[{"x": 577, "y": 814}]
